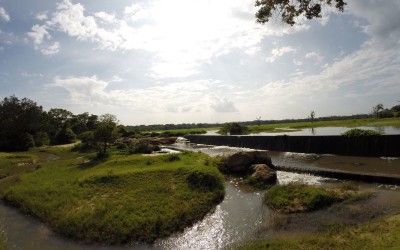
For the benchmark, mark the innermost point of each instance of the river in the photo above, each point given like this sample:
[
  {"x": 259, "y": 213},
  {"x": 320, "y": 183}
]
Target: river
[
  {"x": 239, "y": 217},
  {"x": 386, "y": 130}
]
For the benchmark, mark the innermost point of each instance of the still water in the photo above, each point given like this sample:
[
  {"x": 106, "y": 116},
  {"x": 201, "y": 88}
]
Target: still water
[
  {"x": 386, "y": 130},
  {"x": 239, "y": 217}
]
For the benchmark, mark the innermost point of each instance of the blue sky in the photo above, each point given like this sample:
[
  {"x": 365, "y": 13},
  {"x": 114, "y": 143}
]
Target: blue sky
[{"x": 190, "y": 61}]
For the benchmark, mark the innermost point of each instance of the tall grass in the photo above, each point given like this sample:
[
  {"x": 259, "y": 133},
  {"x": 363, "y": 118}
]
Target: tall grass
[
  {"x": 119, "y": 199},
  {"x": 381, "y": 234},
  {"x": 2, "y": 241},
  {"x": 295, "y": 197}
]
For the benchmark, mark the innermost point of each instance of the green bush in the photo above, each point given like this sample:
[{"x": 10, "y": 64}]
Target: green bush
[
  {"x": 356, "y": 132},
  {"x": 64, "y": 136},
  {"x": 233, "y": 129},
  {"x": 142, "y": 148},
  {"x": 204, "y": 181},
  {"x": 41, "y": 139}
]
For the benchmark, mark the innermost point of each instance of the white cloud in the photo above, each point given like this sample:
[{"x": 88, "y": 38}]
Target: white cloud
[
  {"x": 315, "y": 56},
  {"x": 4, "y": 15},
  {"x": 38, "y": 34},
  {"x": 105, "y": 17},
  {"x": 42, "y": 16},
  {"x": 83, "y": 89},
  {"x": 135, "y": 12},
  {"x": 222, "y": 105},
  {"x": 52, "y": 49},
  {"x": 40, "y": 37},
  {"x": 297, "y": 62},
  {"x": 181, "y": 41},
  {"x": 278, "y": 52},
  {"x": 370, "y": 66}
]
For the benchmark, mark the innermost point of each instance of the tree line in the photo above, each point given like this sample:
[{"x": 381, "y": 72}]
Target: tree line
[{"x": 24, "y": 124}]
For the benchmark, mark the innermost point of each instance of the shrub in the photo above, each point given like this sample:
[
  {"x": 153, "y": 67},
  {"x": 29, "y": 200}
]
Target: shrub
[
  {"x": 172, "y": 157},
  {"x": 204, "y": 181},
  {"x": 298, "y": 198},
  {"x": 41, "y": 139},
  {"x": 355, "y": 132},
  {"x": 233, "y": 129},
  {"x": 64, "y": 136},
  {"x": 142, "y": 148}
]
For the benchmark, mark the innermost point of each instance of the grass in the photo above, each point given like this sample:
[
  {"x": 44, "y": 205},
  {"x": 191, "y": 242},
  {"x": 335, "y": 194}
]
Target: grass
[
  {"x": 287, "y": 127},
  {"x": 381, "y": 234},
  {"x": 14, "y": 164},
  {"x": 2, "y": 241},
  {"x": 294, "y": 197},
  {"x": 117, "y": 199}
]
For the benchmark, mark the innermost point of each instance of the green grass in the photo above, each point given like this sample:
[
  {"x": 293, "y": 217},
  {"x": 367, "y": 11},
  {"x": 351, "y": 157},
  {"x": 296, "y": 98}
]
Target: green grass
[
  {"x": 286, "y": 127},
  {"x": 2, "y": 241},
  {"x": 118, "y": 199},
  {"x": 294, "y": 197},
  {"x": 16, "y": 163},
  {"x": 381, "y": 234}
]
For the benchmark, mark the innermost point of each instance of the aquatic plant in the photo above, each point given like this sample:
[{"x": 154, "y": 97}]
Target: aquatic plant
[{"x": 356, "y": 132}]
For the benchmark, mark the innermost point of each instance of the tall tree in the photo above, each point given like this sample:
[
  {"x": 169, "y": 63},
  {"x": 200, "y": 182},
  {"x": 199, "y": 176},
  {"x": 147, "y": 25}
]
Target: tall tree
[
  {"x": 105, "y": 132},
  {"x": 376, "y": 109},
  {"x": 312, "y": 116},
  {"x": 290, "y": 9},
  {"x": 20, "y": 120}
]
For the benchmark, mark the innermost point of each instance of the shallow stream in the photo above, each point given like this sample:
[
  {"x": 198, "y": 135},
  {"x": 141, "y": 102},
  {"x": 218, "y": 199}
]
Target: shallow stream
[{"x": 239, "y": 217}]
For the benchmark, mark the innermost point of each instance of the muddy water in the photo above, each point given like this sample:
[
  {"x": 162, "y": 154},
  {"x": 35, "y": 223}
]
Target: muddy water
[{"x": 239, "y": 217}]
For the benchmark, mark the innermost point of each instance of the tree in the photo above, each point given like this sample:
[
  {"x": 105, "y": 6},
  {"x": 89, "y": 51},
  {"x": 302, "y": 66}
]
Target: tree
[
  {"x": 105, "y": 132},
  {"x": 233, "y": 128},
  {"x": 258, "y": 119},
  {"x": 19, "y": 121},
  {"x": 289, "y": 10},
  {"x": 376, "y": 109},
  {"x": 312, "y": 116}
]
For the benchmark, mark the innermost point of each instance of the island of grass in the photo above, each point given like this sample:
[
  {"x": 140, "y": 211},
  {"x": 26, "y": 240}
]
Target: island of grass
[
  {"x": 118, "y": 199},
  {"x": 296, "y": 197}
]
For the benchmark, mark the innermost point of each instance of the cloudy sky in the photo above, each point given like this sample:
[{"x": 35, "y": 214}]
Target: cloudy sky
[{"x": 190, "y": 61}]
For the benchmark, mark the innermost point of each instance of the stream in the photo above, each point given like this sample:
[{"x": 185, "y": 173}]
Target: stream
[{"x": 239, "y": 217}]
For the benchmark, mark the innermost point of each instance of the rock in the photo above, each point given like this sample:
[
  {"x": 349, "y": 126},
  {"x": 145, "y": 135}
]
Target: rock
[
  {"x": 263, "y": 174},
  {"x": 240, "y": 162}
]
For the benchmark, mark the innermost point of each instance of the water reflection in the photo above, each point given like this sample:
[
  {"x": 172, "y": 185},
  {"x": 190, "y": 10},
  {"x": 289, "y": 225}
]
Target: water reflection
[
  {"x": 387, "y": 130},
  {"x": 234, "y": 220}
]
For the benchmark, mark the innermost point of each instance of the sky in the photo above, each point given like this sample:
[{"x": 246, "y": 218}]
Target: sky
[{"x": 198, "y": 61}]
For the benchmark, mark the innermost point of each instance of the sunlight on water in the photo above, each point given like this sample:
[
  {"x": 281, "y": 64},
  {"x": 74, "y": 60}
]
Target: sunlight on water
[{"x": 235, "y": 219}]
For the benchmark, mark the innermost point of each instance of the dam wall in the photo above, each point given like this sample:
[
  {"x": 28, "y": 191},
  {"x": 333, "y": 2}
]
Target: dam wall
[{"x": 373, "y": 146}]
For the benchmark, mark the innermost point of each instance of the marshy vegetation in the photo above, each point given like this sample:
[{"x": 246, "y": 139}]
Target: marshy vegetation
[
  {"x": 116, "y": 199},
  {"x": 379, "y": 234},
  {"x": 295, "y": 197}
]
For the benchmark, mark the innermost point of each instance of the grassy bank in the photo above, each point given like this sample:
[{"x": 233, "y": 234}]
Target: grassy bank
[
  {"x": 381, "y": 234},
  {"x": 118, "y": 199},
  {"x": 285, "y": 127},
  {"x": 295, "y": 197}
]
